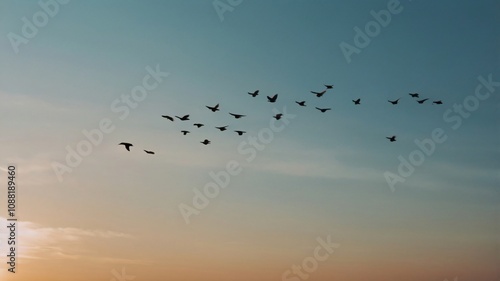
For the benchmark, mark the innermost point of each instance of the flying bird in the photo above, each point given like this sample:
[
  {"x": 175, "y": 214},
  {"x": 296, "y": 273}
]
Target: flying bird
[
  {"x": 272, "y": 99},
  {"x": 198, "y": 125},
  {"x": 185, "y": 132},
  {"x": 183, "y": 118},
  {"x": 126, "y": 144},
  {"x": 329, "y": 86},
  {"x": 214, "y": 108},
  {"x": 323, "y": 109},
  {"x": 414, "y": 95},
  {"x": 205, "y": 142},
  {"x": 422, "y": 101},
  {"x": 168, "y": 117},
  {"x": 391, "y": 139},
  {"x": 237, "y": 116},
  {"x": 358, "y": 101},
  {"x": 254, "y": 94},
  {"x": 301, "y": 103},
  {"x": 278, "y": 116},
  {"x": 319, "y": 94},
  {"x": 240, "y": 132},
  {"x": 149, "y": 152},
  {"x": 223, "y": 128},
  {"x": 394, "y": 101},
  {"x": 437, "y": 102}
]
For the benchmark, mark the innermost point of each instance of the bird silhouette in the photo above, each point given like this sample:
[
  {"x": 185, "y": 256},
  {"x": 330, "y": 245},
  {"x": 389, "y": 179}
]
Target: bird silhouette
[
  {"x": 223, "y": 128},
  {"x": 301, "y": 103},
  {"x": 358, "y": 101},
  {"x": 205, "y": 142},
  {"x": 329, "y": 86},
  {"x": 254, "y": 94},
  {"x": 422, "y": 101},
  {"x": 394, "y": 101},
  {"x": 319, "y": 94},
  {"x": 183, "y": 118},
  {"x": 214, "y": 108},
  {"x": 278, "y": 116},
  {"x": 323, "y": 109},
  {"x": 437, "y": 102},
  {"x": 414, "y": 95},
  {"x": 237, "y": 116},
  {"x": 272, "y": 99},
  {"x": 185, "y": 132},
  {"x": 168, "y": 117},
  {"x": 199, "y": 125},
  {"x": 126, "y": 144},
  {"x": 391, "y": 139},
  {"x": 149, "y": 152},
  {"x": 240, "y": 132}
]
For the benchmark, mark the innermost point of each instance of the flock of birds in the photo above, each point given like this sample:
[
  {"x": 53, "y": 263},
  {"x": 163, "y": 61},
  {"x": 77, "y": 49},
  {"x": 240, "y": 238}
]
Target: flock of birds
[{"x": 278, "y": 116}]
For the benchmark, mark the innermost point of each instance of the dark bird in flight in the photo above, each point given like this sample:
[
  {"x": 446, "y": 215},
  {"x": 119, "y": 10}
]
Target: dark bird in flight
[
  {"x": 254, "y": 94},
  {"x": 301, "y": 103},
  {"x": 168, "y": 117},
  {"x": 126, "y": 144},
  {"x": 183, "y": 118},
  {"x": 278, "y": 116},
  {"x": 323, "y": 109},
  {"x": 240, "y": 132},
  {"x": 205, "y": 142},
  {"x": 422, "y": 101},
  {"x": 358, "y": 101},
  {"x": 273, "y": 98},
  {"x": 198, "y": 125},
  {"x": 394, "y": 101},
  {"x": 414, "y": 95},
  {"x": 185, "y": 132},
  {"x": 149, "y": 152},
  {"x": 237, "y": 116},
  {"x": 223, "y": 128},
  {"x": 329, "y": 86},
  {"x": 391, "y": 139},
  {"x": 319, "y": 94},
  {"x": 214, "y": 108},
  {"x": 437, "y": 102}
]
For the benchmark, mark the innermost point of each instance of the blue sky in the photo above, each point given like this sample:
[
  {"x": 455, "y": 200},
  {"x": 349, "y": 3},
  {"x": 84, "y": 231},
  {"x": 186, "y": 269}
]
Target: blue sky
[{"x": 323, "y": 174}]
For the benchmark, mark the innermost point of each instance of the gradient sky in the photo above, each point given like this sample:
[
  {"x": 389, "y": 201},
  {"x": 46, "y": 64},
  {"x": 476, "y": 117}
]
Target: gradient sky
[{"x": 323, "y": 175}]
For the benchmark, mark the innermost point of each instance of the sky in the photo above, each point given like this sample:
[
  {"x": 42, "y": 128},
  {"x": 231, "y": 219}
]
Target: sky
[{"x": 79, "y": 77}]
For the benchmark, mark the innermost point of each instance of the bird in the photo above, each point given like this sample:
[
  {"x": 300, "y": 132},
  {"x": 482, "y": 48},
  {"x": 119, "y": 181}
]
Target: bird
[
  {"x": 391, "y": 139},
  {"x": 272, "y": 99},
  {"x": 319, "y": 94},
  {"x": 437, "y": 102},
  {"x": 422, "y": 101},
  {"x": 205, "y": 142},
  {"x": 126, "y": 144},
  {"x": 254, "y": 94},
  {"x": 394, "y": 101},
  {"x": 185, "y": 132},
  {"x": 168, "y": 117},
  {"x": 323, "y": 109},
  {"x": 240, "y": 132},
  {"x": 183, "y": 118},
  {"x": 329, "y": 86},
  {"x": 198, "y": 125},
  {"x": 237, "y": 116},
  {"x": 278, "y": 116},
  {"x": 358, "y": 101},
  {"x": 149, "y": 152},
  {"x": 214, "y": 108},
  {"x": 301, "y": 103},
  {"x": 413, "y": 95},
  {"x": 223, "y": 128}
]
